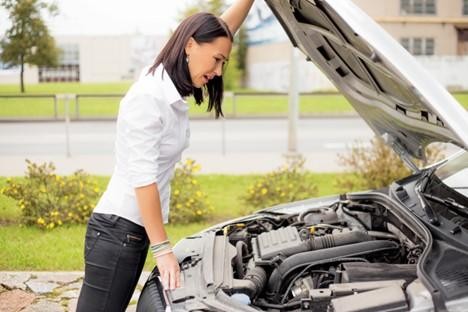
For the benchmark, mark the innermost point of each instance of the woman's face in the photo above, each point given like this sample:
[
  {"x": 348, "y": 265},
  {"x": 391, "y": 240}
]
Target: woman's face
[{"x": 206, "y": 60}]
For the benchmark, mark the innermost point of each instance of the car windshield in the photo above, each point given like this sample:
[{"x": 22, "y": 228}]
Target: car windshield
[{"x": 454, "y": 172}]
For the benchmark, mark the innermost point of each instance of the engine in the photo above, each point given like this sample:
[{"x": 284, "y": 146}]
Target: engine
[{"x": 324, "y": 259}]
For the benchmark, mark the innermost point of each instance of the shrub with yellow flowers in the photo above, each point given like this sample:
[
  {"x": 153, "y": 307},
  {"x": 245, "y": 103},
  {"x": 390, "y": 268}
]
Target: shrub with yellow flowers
[
  {"x": 188, "y": 202},
  {"x": 48, "y": 200},
  {"x": 376, "y": 165},
  {"x": 285, "y": 184}
]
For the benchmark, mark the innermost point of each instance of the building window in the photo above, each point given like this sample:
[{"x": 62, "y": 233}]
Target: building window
[
  {"x": 419, "y": 46},
  {"x": 418, "y": 7},
  {"x": 465, "y": 7},
  {"x": 70, "y": 54},
  {"x": 68, "y": 69}
]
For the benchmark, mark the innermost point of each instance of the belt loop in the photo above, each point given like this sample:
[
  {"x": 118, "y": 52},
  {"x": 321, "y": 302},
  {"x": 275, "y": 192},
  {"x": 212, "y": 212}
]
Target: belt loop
[{"x": 114, "y": 218}]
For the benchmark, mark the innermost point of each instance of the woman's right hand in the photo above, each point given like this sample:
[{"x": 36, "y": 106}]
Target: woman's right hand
[{"x": 169, "y": 269}]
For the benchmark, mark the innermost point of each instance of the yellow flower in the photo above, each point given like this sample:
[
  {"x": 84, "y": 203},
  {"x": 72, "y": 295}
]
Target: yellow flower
[
  {"x": 191, "y": 200},
  {"x": 189, "y": 162},
  {"x": 70, "y": 214},
  {"x": 179, "y": 206},
  {"x": 51, "y": 225},
  {"x": 42, "y": 189},
  {"x": 59, "y": 222},
  {"x": 81, "y": 196},
  {"x": 57, "y": 178},
  {"x": 176, "y": 192},
  {"x": 283, "y": 194},
  {"x": 194, "y": 182},
  {"x": 96, "y": 190},
  {"x": 8, "y": 179},
  {"x": 290, "y": 185},
  {"x": 199, "y": 212},
  {"x": 199, "y": 194},
  {"x": 264, "y": 191},
  {"x": 22, "y": 206},
  {"x": 40, "y": 221},
  {"x": 196, "y": 168}
]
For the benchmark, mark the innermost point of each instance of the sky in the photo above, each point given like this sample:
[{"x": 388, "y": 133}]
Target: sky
[{"x": 111, "y": 16}]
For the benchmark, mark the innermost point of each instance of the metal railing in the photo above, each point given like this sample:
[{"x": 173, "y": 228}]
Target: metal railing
[
  {"x": 34, "y": 96},
  {"x": 77, "y": 100}
]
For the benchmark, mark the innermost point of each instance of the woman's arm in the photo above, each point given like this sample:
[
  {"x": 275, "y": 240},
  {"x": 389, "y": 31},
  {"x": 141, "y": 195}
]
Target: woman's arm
[
  {"x": 150, "y": 208},
  {"x": 236, "y": 14}
]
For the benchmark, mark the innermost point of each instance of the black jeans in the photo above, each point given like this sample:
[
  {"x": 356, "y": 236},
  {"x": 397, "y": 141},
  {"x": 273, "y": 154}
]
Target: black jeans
[{"x": 115, "y": 253}]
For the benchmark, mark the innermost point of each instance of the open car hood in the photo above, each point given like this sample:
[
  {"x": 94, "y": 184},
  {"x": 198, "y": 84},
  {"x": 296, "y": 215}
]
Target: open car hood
[{"x": 389, "y": 89}]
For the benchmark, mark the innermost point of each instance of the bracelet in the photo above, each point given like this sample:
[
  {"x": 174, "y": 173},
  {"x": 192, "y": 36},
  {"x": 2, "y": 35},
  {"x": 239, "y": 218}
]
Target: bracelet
[
  {"x": 160, "y": 246},
  {"x": 162, "y": 253}
]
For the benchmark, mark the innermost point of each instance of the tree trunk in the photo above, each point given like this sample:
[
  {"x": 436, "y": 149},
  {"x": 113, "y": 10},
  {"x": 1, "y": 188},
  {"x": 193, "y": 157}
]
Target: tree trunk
[{"x": 22, "y": 74}]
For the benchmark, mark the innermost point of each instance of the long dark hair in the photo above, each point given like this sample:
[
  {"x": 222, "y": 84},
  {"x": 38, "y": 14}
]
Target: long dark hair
[{"x": 203, "y": 27}]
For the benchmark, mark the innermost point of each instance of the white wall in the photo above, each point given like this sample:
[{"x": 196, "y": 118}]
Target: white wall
[
  {"x": 12, "y": 76},
  {"x": 450, "y": 71}
]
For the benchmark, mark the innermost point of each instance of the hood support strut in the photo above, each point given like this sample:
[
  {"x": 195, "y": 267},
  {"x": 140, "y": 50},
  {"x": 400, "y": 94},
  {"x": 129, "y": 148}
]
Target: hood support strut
[{"x": 396, "y": 145}]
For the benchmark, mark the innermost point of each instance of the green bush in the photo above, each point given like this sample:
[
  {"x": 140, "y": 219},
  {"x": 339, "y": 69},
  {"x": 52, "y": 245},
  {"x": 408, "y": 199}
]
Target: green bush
[
  {"x": 48, "y": 200},
  {"x": 188, "y": 202},
  {"x": 378, "y": 166},
  {"x": 285, "y": 184}
]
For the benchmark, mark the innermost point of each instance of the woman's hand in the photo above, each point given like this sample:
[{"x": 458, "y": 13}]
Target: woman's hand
[{"x": 169, "y": 269}]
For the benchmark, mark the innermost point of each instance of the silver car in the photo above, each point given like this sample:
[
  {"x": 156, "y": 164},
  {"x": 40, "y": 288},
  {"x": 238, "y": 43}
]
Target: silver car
[{"x": 402, "y": 248}]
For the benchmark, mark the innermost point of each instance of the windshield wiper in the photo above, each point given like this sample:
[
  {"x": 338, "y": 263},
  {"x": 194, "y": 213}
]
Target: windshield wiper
[
  {"x": 430, "y": 213},
  {"x": 449, "y": 203}
]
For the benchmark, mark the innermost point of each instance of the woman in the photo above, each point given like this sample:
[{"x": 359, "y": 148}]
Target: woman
[{"x": 152, "y": 132}]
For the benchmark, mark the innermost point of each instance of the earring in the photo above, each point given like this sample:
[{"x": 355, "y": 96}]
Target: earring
[{"x": 187, "y": 59}]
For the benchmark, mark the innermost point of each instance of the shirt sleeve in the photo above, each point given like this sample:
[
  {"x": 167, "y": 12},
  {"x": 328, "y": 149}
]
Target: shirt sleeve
[{"x": 143, "y": 130}]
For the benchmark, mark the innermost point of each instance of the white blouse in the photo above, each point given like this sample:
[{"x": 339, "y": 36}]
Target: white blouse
[{"x": 152, "y": 132}]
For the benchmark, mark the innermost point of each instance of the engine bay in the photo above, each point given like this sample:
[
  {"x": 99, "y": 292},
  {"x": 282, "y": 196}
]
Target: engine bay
[{"x": 353, "y": 255}]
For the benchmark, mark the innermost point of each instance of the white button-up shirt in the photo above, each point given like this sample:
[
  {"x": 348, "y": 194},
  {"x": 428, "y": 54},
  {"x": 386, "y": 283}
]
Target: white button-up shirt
[{"x": 152, "y": 132}]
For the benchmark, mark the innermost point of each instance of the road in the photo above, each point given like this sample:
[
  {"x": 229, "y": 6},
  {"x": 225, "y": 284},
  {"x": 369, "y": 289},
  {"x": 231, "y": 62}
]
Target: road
[{"x": 230, "y": 146}]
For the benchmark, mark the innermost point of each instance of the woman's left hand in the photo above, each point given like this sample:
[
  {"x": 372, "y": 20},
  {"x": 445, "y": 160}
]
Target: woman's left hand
[{"x": 169, "y": 269}]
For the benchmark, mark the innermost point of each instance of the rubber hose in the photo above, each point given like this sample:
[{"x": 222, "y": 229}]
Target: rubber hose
[
  {"x": 302, "y": 259},
  {"x": 328, "y": 241},
  {"x": 241, "y": 247}
]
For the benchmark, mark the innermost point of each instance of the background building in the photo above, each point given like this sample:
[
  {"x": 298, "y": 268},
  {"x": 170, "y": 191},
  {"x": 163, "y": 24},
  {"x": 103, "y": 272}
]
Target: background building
[
  {"x": 435, "y": 31},
  {"x": 94, "y": 59}
]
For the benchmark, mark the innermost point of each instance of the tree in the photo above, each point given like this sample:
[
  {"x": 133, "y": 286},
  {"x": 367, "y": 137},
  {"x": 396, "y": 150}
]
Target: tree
[
  {"x": 28, "y": 41},
  {"x": 236, "y": 68}
]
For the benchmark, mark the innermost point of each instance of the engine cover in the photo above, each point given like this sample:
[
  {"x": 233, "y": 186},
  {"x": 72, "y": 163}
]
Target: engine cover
[{"x": 270, "y": 244}]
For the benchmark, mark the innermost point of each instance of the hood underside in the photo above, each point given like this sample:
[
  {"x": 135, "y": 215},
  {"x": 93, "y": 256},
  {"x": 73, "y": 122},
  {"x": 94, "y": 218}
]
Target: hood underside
[{"x": 399, "y": 100}]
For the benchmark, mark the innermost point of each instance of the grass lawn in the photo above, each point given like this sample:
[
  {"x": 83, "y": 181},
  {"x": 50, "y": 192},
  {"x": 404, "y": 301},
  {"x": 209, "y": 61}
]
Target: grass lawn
[
  {"x": 108, "y": 106},
  {"x": 29, "y": 248}
]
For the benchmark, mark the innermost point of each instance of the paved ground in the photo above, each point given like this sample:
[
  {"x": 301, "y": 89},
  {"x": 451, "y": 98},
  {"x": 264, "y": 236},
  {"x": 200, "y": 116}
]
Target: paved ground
[
  {"x": 233, "y": 146},
  {"x": 46, "y": 291}
]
